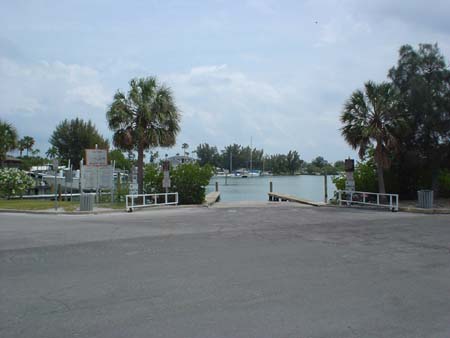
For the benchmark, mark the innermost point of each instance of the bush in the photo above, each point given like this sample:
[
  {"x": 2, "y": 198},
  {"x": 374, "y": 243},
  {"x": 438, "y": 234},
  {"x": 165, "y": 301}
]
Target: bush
[
  {"x": 444, "y": 183},
  {"x": 153, "y": 179},
  {"x": 14, "y": 182},
  {"x": 189, "y": 180}
]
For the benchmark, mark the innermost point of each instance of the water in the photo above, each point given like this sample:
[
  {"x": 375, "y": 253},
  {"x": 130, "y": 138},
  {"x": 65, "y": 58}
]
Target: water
[{"x": 256, "y": 188}]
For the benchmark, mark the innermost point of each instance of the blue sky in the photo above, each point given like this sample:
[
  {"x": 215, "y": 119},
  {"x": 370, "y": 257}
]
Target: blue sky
[{"x": 276, "y": 71}]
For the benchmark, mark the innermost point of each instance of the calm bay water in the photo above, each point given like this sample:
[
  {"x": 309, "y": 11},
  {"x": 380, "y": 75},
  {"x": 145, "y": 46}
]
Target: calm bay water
[{"x": 256, "y": 188}]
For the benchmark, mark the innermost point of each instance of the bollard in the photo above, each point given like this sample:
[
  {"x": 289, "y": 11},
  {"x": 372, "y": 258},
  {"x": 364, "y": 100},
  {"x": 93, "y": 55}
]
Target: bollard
[
  {"x": 270, "y": 190},
  {"x": 217, "y": 186}
]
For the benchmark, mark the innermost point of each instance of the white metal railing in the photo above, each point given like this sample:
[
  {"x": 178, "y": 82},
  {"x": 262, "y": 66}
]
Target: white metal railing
[
  {"x": 148, "y": 200},
  {"x": 368, "y": 198}
]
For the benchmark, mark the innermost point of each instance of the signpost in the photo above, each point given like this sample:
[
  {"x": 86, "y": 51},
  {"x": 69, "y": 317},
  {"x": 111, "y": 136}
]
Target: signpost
[
  {"x": 133, "y": 185},
  {"x": 349, "y": 169},
  {"x": 55, "y": 168},
  {"x": 166, "y": 178}
]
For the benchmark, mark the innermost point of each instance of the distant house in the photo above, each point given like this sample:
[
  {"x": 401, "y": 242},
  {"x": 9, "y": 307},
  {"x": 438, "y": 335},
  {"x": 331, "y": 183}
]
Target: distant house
[
  {"x": 180, "y": 159},
  {"x": 11, "y": 162}
]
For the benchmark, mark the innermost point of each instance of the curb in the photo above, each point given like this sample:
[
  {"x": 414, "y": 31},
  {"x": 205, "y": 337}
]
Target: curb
[
  {"x": 425, "y": 211},
  {"x": 42, "y": 212}
]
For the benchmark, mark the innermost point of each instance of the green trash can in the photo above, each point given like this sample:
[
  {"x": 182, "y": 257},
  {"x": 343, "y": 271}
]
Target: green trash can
[{"x": 425, "y": 199}]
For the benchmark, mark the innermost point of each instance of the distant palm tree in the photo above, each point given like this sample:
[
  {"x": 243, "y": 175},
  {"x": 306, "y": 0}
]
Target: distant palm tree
[
  {"x": 21, "y": 146},
  {"x": 369, "y": 117},
  {"x": 52, "y": 152},
  {"x": 185, "y": 147},
  {"x": 28, "y": 143},
  {"x": 144, "y": 118},
  {"x": 8, "y": 139}
]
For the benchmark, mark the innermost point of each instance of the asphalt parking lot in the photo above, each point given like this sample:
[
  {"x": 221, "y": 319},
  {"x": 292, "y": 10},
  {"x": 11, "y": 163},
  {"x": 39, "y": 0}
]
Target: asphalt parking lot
[{"x": 245, "y": 270}]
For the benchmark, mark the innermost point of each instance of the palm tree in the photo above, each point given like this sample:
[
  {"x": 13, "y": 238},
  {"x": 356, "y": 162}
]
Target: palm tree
[
  {"x": 21, "y": 146},
  {"x": 185, "y": 147},
  {"x": 145, "y": 117},
  {"x": 28, "y": 143},
  {"x": 8, "y": 139},
  {"x": 369, "y": 117},
  {"x": 35, "y": 152},
  {"x": 52, "y": 152}
]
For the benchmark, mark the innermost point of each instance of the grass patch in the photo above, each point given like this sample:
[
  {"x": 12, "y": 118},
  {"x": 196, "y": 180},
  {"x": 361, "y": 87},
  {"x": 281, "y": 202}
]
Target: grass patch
[
  {"x": 19, "y": 204},
  {"x": 115, "y": 205}
]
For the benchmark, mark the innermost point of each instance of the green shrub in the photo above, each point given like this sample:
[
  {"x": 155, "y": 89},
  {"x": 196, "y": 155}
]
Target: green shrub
[
  {"x": 189, "y": 180},
  {"x": 365, "y": 177},
  {"x": 14, "y": 182},
  {"x": 153, "y": 179},
  {"x": 444, "y": 183}
]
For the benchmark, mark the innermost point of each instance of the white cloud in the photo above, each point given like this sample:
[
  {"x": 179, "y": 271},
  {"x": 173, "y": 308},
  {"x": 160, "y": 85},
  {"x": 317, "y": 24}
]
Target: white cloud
[
  {"x": 222, "y": 106},
  {"x": 35, "y": 97}
]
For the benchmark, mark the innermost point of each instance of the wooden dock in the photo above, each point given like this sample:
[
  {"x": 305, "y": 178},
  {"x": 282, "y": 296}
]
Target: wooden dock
[
  {"x": 212, "y": 198},
  {"x": 276, "y": 197}
]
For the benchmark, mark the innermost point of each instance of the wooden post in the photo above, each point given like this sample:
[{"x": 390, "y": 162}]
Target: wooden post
[
  {"x": 325, "y": 181},
  {"x": 217, "y": 186},
  {"x": 270, "y": 190}
]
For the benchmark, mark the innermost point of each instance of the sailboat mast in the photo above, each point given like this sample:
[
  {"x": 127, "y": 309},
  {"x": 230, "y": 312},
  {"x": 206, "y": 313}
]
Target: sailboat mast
[{"x": 251, "y": 155}]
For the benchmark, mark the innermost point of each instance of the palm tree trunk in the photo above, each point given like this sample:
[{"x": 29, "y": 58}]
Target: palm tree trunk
[
  {"x": 140, "y": 173},
  {"x": 381, "y": 188}
]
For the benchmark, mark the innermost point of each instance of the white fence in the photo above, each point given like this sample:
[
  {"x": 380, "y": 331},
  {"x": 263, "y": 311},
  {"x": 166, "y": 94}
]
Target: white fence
[
  {"x": 148, "y": 200},
  {"x": 368, "y": 198}
]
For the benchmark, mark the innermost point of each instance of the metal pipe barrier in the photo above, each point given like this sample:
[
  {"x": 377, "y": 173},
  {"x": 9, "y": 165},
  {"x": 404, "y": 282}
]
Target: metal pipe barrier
[
  {"x": 149, "y": 200},
  {"x": 349, "y": 197}
]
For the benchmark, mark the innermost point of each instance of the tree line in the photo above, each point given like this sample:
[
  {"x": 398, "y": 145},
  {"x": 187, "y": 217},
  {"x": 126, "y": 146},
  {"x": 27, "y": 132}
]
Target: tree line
[{"x": 236, "y": 156}]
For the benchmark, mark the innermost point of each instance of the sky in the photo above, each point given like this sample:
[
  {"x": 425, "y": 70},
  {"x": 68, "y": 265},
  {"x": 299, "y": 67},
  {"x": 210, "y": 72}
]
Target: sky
[{"x": 276, "y": 73}]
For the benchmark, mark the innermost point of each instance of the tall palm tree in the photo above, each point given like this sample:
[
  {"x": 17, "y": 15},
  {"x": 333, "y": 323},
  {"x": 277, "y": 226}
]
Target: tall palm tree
[
  {"x": 185, "y": 147},
  {"x": 28, "y": 143},
  {"x": 145, "y": 117},
  {"x": 8, "y": 139},
  {"x": 369, "y": 120}
]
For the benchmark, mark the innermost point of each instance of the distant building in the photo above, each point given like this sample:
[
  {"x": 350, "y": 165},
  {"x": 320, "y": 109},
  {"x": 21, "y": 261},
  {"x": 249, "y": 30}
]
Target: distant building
[
  {"x": 11, "y": 162},
  {"x": 180, "y": 159}
]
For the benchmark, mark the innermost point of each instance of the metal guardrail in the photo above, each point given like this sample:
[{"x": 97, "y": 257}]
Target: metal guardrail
[
  {"x": 368, "y": 198},
  {"x": 149, "y": 200}
]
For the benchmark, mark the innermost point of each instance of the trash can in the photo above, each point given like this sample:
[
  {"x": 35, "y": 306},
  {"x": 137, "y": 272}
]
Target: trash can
[
  {"x": 87, "y": 202},
  {"x": 425, "y": 199}
]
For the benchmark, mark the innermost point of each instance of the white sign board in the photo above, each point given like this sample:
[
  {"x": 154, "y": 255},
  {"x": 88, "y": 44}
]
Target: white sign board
[
  {"x": 349, "y": 181},
  {"x": 97, "y": 177},
  {"x": 133, "y": 189},
  {"x": 96, "y": 157}
]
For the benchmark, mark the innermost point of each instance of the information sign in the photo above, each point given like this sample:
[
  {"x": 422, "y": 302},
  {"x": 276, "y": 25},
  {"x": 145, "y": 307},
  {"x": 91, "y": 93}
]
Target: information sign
[
  {"x": 97, "y": 177},
  {"x": 96, "y": 157}
]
